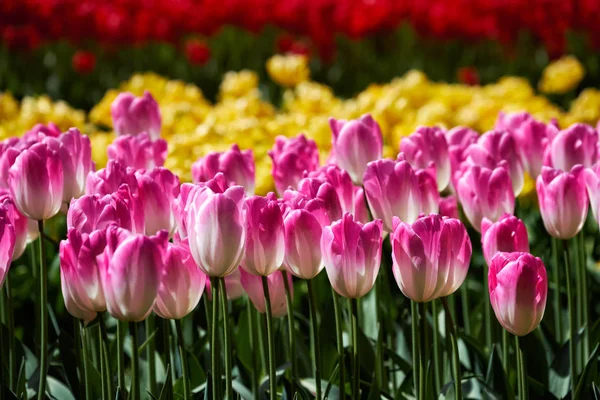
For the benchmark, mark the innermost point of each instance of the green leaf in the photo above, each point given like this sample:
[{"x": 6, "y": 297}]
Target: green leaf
[
  {"x": 495, "y": 376},
  {"x": 57, "y": 390},
  {"x": 590, "y": 366}
]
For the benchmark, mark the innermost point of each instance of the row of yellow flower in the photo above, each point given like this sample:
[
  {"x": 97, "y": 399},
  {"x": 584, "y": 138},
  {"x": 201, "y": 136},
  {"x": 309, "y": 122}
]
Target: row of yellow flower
[{"x": 193, "y": 126}]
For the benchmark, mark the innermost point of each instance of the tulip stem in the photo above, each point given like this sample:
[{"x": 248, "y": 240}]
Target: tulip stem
[
  {"x": 487, "y": 312},
  {"x": 291, "y": 327},
  {"x": 505, "y": 350},
  {"x": 183, "y": 357},
  {"x": 227, "y": 341},
  {"x": 253, "y": 339},
  {"x": 270, "y": 340},
  {"x": 556, "y": 298},
  {"x": 10, "y": 321},
  {"x": 436, "y": 348},
  {"x": 339, "y": 330},
  {"x": 455, "y": 355},
  {"x": 464, "y": 297},
  {"x": 166, "y": 330},
  {"x": 415, "y": 345},
  {"x": 43, "y": 303},
  {"x": 423, "y": 350},
  {"x": 151, "y": 354},
  {"x": 355, "y": 351},
  {"x": 521, "y": 369},
  {"x": 104, "y": 343},
  {"x": 135, "y": 362},
  {"x": 84, "y": 352},
  {"x": 121, "y": 355},
  {"x": 572, "y": 327},
  {"x": 584, "y": 297},
  {"x": 214, "y": 351},
  {"x": 314, "y": 336}
]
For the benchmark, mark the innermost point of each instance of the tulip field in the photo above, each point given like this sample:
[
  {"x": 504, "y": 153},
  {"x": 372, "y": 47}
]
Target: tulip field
[{"x": 287, "y": 210}]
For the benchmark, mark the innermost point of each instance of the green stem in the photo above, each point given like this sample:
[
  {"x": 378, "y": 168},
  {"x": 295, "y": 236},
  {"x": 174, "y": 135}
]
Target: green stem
[
  {"x": 437, "y": 365},
  {"x": 379, "y": 359},
  {"x": 572, "y": 326},
  {"x": 270, "y": 340},
  {"x": 355, "y": 351},
  {"x": 291, "y": 327},
  {"x": 466, "y": 312},
  {"x": 151, "y": 354},
  {"x": 214, "y": 351},
  {"x": 78, "y": 342},
  {"x": 107, "y": 370},
  {"x": 314, "y": 336},
  {"x": 576, "y": 260},
  {"x": 253, "y": 339},
  {"x": 505, "y": 350},
  {"x": 183, "y": 357},
  {"x": 487, "y": 307},
  {"x": 423, "y": 350},
  {"x": 135, "y": 362},
  {"x": 43, "y": 304},
  {"x": 121, "y": 329},
  {"x": 339, "y": 329},
  {"x": 556, "y": 293},
  {"x": 166, "y": 330},
  {"x": 414, "y": 311},
  {"x": 227, "y": 341},
  {"x": 584, "y": 296},
  {"x": 522, "y": 370},
  {"x": 104, "y": 396},
  {"x": 455, "y": 355},
  {"x": 84, "y": 352},
  {"x": 12, "y": 348}
]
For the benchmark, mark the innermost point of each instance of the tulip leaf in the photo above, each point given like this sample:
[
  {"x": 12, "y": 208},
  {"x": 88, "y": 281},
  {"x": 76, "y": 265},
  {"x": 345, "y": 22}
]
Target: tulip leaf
[
  {"x": 591, "y": 365},
  {"x": 559, "y": 378},
  {"x": 240, "y": 389},
  {"x": 68, "y": 358},
  {"x": 57, "y": 390},
  {"x": 495, "y": 377}
]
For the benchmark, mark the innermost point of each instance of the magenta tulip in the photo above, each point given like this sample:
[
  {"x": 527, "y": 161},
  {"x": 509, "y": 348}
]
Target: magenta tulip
[
  {"x": 254, "y": 288},
  {"x": 40, "y": 131},
  {"x": 428, "y": 146},
  {"x": 109, "y": 179},
  {"x": 392, "y": 189},
  {"x": 592, "y": 183},
  {"x": 133, "y": 115},
  {"x": 315, "y": 188},
  {"x": 265, "y": 242},
  {"x": 430, "y": 257},
  {"x": 216, "y": 229},
  {"x": 7, "y": 243},
  {"x": 36, "y": 182},
  {"x": 563, "y": 201},
  {"x": 291, "y": 158},
  {"x": 237, "y": 167},
  {"x": 360, "y": 212},
  {"x": 9, "y": 151},
  {"x": 138, "y": 152},
  {"x": 518, "y": 290},
  {"x": 181, "y": 284},
  {"x": 352, "y": 255},
  {"x": 485, "y": 192},
  {"x": 578, "y": 144},
  {"x": 355, "y": 144},
  {"x": 511, "y": 121},
  {"x": 532, "y": 139},
  {"x": 449, "y": 207},
  {"x": 341, "y": 183},
  {"x": 131, "y": 268},
  {"x": 508, "y": 234},
  {"x": 19, "y": 222},
  {"x": 158, "y": 189},
  {"x": 430, "y": 197},
  {"x": 459, "y": 139}
]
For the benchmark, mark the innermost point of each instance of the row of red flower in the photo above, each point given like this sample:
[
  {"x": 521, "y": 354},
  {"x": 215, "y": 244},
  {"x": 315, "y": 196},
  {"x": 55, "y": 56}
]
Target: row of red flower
[{"x": 24, "y": 24}]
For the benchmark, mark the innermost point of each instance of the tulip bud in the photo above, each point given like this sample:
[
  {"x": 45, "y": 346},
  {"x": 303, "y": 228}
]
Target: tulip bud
[
  {"x": 592, "y": 183},
  {"x": 291, "y": 157},
  {"x": 237, "y": 167},
  {"x": 361, "y": 212},
  {"x": 265, "y": 243},
  {"x": 233, "y": 286},
  {"x": 254, "y": 287},
  {"x": 355, "y": 144},
  {"x": 428, "y": 146},
  {"x": 518, "y": 290},
  {"x": 36, "y": 182},
  {"x": 133, "y": 115},
  {"x": 7, "y": 243},
  {"x": 131, "y": 269},
  {"x": 109, "y": 179},
  {"x": 563, "y": 201},
  {"x": 157, "y": 191},
  {"x": 508, "y": 234},
  {"x": 532, "y": 140},
  {"x": 138, "y": 152},
  {"x": 430, "y": 197},
  {"x": 216, "y": 229},
  {"x": 352, "y": 255},
  {"x": 315, "y": 188},
  {"x": 181, "y": 284},
  {"x": 9, "y": 151},
  {"x": 430, "y": 257},
  {"x": 511, "y": 121},
  {"x": 341, "y": 183},
  {"x": 449, "y": 207},
  {"x": 485, "y": 192},
  {"x": 575, "y": 145},
  {"x": 19, "y": 222},
  {"x": 40, "y": 131},
  {"x": 392, "y": 190},
  {"x": 459, "y": 139}
]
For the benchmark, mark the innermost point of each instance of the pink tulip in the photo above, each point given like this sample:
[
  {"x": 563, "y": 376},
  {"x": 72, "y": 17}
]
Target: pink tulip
[
  {"x": 361, "y": 212},
  {"x": 341, "y": 183},
  {"x": 518, "y": 290},
  {"x": 485, "y": 192},
  {"x": 237, "y": 166},
  {"x": 291, "y": 158},
  {"x": 315, "y": 188},
  {"x": 265, "y": 243},
  {"x": 449, "y": 207},
  {"x": 158, "y": 189},
  {"x": 109, "y": 179},
  {"x": 254, "y": 288},
  {"x": 563, "y": 201},
  {"x": 352, "y": 255},
  {"x": 532, "y": 139},
  {"x": 9, "y": 151},
  {"x": 36, "y": 182},
  {"x": 491, "y": 149},
  {"x": 19, "y": 222},
  {"x": 138, "y": 152},
  {"x": 233, "y": 286},
  {"x": 430, "y": 257},
  {"x": 75, "y": 152},
  {"x": 511, "y": 121},
  {"x": 133, "y": 115},
  {"x": 40, "y": 131},
  {"x": 459, "y": 139},
  {"x": 181, "y": 284},
  {"x": 131, "y": 268},
  {"x": 392, "y": 190},
  {"x": 355, "y": 144},
  {"x": 592, "y": 183},
  {"x": 216, "y": 229},
  {"x": 428, "y": 146},
  {"x": 575, "y": 145},
  {"x": 7, "y": 243},
  {"x": 508, "y": 234},
  {"x": 430, "y": 197}
]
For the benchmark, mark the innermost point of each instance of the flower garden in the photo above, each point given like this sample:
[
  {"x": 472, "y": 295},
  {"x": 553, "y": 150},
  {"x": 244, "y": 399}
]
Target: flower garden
[{"x": 299, "y": 200}]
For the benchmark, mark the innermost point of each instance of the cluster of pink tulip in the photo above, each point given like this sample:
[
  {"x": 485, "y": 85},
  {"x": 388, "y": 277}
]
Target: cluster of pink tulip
[{"x": 118, "y": 256}]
